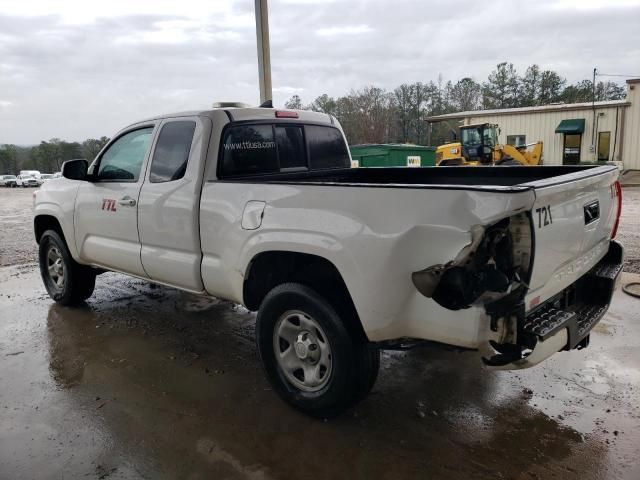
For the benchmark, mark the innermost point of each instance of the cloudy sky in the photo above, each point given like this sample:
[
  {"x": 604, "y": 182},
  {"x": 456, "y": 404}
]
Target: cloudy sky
[{"x": 79, "y": 69}]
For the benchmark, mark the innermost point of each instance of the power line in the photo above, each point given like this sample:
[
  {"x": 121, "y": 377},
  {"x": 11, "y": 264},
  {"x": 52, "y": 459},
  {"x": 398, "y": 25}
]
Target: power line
[{"x": 615, "y": 75}]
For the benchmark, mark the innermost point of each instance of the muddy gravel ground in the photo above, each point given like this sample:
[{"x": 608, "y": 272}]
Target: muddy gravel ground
[
  {"x": 148, "y": 382},
  {"x": 16, "y": 226}
]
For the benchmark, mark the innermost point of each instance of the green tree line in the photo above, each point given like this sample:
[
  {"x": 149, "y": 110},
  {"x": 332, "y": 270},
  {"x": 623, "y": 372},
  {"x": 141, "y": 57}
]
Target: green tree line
[
  {"x": 376, "y": 115},
  {"x": 48, "y": 156}
]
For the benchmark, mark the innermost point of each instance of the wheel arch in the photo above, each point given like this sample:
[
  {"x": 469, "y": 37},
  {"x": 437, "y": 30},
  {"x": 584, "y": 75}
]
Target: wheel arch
[
  {"x": 44, "y": 222},
  {"x": 269, "y": 269}
]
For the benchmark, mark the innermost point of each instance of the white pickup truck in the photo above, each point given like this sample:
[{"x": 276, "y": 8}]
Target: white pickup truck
[
  {"x": 260, "y": 206},
  {"x": 27, "y": 180}
]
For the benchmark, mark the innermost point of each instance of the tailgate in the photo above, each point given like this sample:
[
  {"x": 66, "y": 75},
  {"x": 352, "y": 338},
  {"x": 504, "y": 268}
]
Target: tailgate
[{"x": 573, "y": 217}]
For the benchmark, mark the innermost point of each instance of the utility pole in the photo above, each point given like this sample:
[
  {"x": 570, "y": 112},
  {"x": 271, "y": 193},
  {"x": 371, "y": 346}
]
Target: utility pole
[
  {"x": 593, "y": 107},
  {"x": 264, "y": 56}
]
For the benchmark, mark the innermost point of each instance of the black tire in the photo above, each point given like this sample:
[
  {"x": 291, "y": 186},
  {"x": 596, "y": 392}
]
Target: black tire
[
  {"x": 354, "y": 361},
  {"x": 78, "y": 280}
]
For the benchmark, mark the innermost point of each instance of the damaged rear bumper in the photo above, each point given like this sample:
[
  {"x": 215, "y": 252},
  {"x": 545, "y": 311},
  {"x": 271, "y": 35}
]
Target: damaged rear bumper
[{"x": 564, "y": 321}]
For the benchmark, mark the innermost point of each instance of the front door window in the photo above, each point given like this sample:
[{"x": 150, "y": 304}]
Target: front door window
[{"x": 123, "y": 160}]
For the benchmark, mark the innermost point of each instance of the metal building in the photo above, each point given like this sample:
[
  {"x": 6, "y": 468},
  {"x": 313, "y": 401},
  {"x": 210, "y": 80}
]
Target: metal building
[{"x": 573, "y": 132}]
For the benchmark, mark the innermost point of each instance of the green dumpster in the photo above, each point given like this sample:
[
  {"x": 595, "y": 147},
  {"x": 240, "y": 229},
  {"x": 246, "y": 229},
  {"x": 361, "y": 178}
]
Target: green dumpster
[{"x": 392, "y": 155}]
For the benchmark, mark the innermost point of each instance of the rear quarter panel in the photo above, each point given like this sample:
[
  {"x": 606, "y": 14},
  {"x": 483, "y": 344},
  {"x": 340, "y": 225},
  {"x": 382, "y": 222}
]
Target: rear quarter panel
[{"x": 376, "y": 237}]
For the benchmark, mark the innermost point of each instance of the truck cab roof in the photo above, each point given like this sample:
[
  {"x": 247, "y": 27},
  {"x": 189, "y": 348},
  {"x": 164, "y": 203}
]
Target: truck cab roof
[{"x": 252, "y": 113}]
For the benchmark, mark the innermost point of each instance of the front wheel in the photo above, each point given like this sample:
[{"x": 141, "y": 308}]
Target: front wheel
[
  {"x": 66, "y": 281},
  {"x": 309, "y": 356}
]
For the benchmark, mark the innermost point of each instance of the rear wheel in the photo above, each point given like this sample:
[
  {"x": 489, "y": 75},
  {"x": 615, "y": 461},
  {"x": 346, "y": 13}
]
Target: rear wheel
[
  {"x": 66, "y": 281},
  {"x": 309, "y": 356}
]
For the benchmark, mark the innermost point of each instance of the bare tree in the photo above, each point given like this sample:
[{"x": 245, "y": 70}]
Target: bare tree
[
  {"x": 466, "y": 95},
  {"x": 294, "y": 103}
]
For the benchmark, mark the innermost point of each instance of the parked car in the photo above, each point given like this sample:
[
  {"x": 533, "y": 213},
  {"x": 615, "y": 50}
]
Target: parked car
[
  {"x": 33, "y": 173},
  {"x": 57, "y": 175},
  {"x": 260, "y": 207},
  {"x": 45, "y": 176},
  {"x": 27, "y": 181},
  {"x": 8, "y": 181}
]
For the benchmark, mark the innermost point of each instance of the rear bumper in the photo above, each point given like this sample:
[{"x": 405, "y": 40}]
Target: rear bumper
[{"x": 565, "y": 321}]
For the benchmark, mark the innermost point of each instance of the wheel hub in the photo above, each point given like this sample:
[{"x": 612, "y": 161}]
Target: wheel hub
[
  {"x": 302, "y": 351},
  {"x": 306, "y": 347},
  {"x": 55, "y": 267}
]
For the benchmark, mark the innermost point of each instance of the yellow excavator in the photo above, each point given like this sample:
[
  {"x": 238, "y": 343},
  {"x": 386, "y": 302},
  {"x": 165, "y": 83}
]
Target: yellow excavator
[{"x": 479, "y": 147}]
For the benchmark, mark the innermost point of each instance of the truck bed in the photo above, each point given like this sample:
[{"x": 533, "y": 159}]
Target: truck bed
[{"x": 485, "y": 178}]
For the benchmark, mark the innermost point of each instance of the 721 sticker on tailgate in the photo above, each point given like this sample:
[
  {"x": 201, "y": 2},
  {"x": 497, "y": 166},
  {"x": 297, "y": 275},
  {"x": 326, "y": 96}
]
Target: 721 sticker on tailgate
[{"x": 544, "y": 216}]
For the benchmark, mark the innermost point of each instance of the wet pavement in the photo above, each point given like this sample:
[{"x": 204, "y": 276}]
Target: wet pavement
[
  {"x": 149, "y": 382},
  {"x": 629, "y": 230}
]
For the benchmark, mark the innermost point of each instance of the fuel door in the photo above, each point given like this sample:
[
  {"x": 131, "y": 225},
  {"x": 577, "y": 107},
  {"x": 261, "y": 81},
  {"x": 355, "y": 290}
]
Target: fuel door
[{"x": 252, "y": 214}]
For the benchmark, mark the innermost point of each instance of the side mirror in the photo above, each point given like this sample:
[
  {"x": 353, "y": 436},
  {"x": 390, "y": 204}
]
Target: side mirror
[{"x": 75, "y": 169}]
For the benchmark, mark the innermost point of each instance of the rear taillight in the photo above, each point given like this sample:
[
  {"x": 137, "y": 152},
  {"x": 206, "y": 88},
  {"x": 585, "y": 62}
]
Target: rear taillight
[{"x": 617, "y": 192}]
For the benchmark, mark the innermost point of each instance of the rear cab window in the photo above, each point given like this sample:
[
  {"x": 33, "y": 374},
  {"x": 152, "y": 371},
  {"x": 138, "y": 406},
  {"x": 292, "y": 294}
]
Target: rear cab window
[
  {"x": 327, "y": 148},
  {"x": 267, "y": 148},
  {"x": 292, "y": 153}
]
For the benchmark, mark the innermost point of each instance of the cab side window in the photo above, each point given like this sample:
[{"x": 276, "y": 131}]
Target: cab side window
[
  {"x": 249, "y": 150},
  {"x": 123, "y": 160},
  {"x": 172, "y": 151},
  {"x": 280, "y": 147}
]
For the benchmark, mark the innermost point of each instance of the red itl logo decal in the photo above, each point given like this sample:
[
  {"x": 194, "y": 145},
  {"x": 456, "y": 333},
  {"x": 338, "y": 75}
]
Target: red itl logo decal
[{"x": 109, "y": 204}]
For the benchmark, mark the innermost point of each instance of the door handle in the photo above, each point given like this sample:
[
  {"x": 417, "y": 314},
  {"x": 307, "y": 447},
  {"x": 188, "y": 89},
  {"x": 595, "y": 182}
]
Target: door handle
[{"x": 127, "y": 202}]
